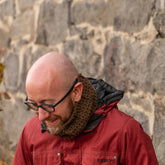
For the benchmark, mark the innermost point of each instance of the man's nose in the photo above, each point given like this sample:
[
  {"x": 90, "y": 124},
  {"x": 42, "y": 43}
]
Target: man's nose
[{"x": 42, "y": 114}]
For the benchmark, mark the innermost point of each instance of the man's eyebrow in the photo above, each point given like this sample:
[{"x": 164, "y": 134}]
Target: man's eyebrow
[{"x": 42, "y": 101}]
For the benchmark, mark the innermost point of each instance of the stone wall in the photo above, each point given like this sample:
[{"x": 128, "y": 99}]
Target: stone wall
[{"x": 120, "y": 41}]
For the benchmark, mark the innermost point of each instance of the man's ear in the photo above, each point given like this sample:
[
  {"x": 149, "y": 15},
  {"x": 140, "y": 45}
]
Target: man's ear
[{"x": 77, "y": 92}]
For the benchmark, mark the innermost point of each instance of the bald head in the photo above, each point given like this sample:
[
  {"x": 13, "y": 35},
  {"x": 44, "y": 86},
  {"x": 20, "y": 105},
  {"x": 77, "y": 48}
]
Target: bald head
[{"x": 52, "y": 69}]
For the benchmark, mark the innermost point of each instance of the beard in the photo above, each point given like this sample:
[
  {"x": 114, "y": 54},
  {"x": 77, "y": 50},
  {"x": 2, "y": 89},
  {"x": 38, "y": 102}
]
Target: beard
[
  {"x": 58, "y": 127},
  {"x": 54, "y": 129}
]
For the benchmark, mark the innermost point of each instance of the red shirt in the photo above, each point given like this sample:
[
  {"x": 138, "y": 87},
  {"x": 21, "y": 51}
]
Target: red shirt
[{"x": 117, "y": 140}]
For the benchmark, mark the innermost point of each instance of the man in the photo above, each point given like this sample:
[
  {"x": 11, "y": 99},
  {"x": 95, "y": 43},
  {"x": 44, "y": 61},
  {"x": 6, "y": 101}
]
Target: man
[{"x": 77, "y": 120}]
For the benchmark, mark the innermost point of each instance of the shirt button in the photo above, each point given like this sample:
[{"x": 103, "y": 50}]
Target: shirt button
[{"x": 58, "y": 154}]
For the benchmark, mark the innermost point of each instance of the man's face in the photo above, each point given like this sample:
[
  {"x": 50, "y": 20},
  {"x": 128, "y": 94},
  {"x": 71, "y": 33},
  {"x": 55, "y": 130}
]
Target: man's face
[
  {"x": 57, "y": 119},
  {"x": 53, "y": 120}
]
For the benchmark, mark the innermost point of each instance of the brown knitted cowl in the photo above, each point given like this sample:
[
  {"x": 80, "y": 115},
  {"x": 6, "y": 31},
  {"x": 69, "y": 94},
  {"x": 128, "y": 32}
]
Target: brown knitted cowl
[{"x": 82, "y": 111}]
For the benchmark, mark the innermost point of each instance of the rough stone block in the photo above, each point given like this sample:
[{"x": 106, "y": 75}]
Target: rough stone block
[
  {"x": 134, "y": 67},
  {"x": 24, "y": 70},
  {"x": 7, "y": 8},
  {"x": 24, "y": 4},
  {"x": 15, "y": 116},
  {"x": 4, "y": 39},
  {"x": 93, "y": 12},
  {"x": 159, "y": 5},
  {"x": 159, "y": 22},
  {"x": 11, "y": 72},
  {"x": 52, "y": 23},
  {"x": 159, "y": 135},
  {"x": 155, "y": 64},
  {"x": 124, "y": 15},
  {"x": 4, "y": 140},
  {"x": 23, "y": 25},
  {"x": 116, "y": 63},
  {"x": 81, "y": 52},
  {"x": 132, "y": 15}
]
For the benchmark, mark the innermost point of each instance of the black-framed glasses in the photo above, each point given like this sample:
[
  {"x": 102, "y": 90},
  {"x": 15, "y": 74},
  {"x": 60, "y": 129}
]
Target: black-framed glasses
[{"x": 48, "y": 107}]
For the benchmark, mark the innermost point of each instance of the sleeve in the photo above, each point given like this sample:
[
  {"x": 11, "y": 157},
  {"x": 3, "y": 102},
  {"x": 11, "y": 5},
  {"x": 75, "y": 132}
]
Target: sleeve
[
  {"x": 22, "y": 155},
  {"x": 136, "y": 145}
]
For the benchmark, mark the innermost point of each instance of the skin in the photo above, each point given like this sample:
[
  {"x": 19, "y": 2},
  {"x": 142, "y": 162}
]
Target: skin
[{"x": 48, "y": 80}]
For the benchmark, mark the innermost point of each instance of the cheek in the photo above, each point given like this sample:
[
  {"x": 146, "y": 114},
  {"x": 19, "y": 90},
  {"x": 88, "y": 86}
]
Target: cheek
[{"x": 65, "y": 111}]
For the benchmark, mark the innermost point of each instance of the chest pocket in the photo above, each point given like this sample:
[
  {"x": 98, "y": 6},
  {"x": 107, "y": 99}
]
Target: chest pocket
[
  {"x": 98, "y": 158},
  {"x": 47, "y": 158}
]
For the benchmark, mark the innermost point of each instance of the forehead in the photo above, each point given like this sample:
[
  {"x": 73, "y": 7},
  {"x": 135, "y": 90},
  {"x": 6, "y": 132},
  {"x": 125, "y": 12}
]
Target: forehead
[
  {"x": 43, "y": 90},
  {"x": 44, "y": 81}
]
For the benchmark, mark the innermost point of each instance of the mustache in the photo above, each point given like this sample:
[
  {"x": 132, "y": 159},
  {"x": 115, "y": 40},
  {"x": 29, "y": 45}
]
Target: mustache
[{"x": 53, "y": 118}]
